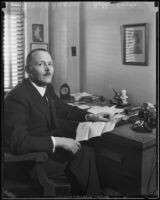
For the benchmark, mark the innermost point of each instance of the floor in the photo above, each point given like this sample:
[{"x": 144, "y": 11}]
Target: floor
[
  {"x": 108, "y": 192},
  {"x": 111, "y": 192}
]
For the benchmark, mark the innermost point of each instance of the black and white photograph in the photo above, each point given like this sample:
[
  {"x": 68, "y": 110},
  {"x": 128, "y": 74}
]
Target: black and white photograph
[
  {"x": 135, "y": 47},
  {"x": 80, "y": 93},
  {"x": 37, "y": 31}
]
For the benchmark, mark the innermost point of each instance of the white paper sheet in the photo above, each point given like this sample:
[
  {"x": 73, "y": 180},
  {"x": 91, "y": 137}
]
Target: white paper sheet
[{"x": 87, "y": 130}]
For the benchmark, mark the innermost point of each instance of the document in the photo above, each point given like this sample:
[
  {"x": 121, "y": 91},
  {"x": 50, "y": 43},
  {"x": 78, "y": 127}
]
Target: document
[
  {"x": 117, "y": 112},
  {"x": 87, "y": 130},
  {"x": 83, "y": 106},
  {"x": 112, "y": 109},
  {"x": 81, "y": 95}
]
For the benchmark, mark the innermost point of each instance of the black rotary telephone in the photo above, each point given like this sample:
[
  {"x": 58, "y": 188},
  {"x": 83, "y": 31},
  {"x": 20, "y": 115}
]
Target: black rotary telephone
[{"x": 146, "y": 118}]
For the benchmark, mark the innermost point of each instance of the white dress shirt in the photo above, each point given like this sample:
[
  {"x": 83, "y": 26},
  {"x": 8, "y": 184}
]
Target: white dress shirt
[{"x": 42, "y": 91}]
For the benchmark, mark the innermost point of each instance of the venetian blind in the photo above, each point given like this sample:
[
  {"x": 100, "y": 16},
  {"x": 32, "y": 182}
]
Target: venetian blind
[{"x": 13, "y": 44}]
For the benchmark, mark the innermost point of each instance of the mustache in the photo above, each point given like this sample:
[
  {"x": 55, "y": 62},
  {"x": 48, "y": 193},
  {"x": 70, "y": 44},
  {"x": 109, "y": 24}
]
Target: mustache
[{"x": 47, "y": 74}]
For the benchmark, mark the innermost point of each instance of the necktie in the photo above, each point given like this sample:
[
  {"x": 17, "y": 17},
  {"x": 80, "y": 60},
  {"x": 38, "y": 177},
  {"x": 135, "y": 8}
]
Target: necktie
[
  {"x": 45, "y": 98},
  {"x": 48, "y": 100}
]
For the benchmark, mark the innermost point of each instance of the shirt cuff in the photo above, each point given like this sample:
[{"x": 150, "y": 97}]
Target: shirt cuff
[
  {"x": 86, "y": 117},
  {"x": 54, "y": 143}
]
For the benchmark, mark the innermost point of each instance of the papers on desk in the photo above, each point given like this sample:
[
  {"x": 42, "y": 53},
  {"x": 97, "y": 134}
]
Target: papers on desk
[
  {"x": 81, "y": 94},
  {"x": 78, "y": 96},
  {"x": 83, "y": 106},
  {"x": 80, "y": 100},
  {"x": 112, "y": 109},
  {"x": 87, "y": 130},
  {"x": 117, "y": 112}
]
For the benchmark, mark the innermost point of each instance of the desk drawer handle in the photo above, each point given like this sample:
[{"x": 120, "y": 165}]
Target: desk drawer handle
[{"x": 113, "y": 156}]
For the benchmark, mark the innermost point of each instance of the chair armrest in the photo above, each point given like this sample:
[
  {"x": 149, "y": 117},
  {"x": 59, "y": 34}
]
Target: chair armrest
[{"x": 36, "y": 156}]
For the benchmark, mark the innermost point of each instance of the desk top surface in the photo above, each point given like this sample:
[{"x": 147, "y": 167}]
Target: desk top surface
[
  {"x": 126, "y": 133},
  {"x": 141, "y": 140}
]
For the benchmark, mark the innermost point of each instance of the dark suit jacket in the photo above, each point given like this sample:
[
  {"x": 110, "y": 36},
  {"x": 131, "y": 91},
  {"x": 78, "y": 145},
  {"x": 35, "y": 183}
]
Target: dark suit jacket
[{"x": 28, "y": 125}]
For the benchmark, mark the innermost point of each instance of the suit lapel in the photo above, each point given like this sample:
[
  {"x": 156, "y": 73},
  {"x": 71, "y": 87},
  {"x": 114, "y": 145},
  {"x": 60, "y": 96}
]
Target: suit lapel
[{"x": 37, "y": 100}]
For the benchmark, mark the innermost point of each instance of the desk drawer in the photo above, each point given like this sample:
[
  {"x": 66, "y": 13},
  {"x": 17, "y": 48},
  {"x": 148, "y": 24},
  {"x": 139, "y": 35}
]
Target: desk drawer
[
  {"x": 113, "y": 177},
  {"x": 125, "y": 168},
  {"x": 119, "y": 167},
  {"x": 118, "y": 157},
  {"x": 126, "y": 161}
]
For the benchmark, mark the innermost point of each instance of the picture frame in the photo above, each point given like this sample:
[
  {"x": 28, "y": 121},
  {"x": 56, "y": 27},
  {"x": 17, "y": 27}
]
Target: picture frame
[
  {"x": 135, "y": 44},
  {"x": 37, "y": 32},
  {"x": 38, "y": 46}
]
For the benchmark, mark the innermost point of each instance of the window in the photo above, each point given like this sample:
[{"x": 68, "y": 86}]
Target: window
[{"x": 13, "y": 44}]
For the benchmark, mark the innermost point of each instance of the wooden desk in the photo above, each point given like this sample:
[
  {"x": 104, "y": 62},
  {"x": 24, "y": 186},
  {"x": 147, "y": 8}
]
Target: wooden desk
[{"x": 127, "y": 161}]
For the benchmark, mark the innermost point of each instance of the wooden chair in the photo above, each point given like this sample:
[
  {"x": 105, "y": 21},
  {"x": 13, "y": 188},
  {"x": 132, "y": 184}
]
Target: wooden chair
[{"x": 17, "y": 182}]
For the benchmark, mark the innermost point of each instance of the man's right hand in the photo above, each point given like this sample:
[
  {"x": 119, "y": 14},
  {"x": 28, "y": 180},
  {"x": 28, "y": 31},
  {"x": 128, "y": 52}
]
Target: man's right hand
[{"x": 67, "y": 144}]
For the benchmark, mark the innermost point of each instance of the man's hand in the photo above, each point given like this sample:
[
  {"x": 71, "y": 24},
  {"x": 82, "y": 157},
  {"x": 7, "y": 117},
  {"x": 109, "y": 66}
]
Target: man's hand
[
  {"x": 103, "y": 117},
  {"x": 67, "y": 144}
]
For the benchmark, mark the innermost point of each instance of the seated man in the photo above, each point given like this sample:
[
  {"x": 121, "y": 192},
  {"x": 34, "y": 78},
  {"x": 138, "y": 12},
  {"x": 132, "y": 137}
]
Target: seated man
[{"x": 31, "y": 124}]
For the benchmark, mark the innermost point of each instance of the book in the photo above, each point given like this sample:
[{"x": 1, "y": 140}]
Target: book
[{"x": 87, "y": 130}]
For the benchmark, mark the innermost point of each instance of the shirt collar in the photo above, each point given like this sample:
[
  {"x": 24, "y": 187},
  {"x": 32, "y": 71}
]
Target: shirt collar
[{"x": 41, "y": 90}]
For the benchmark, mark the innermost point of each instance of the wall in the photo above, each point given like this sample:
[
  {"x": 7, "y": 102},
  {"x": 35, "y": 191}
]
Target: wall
[
  {"x": 63, "y": 34},
  {"x": 36, "y": 13},
  {"x": 98, "y": 64},
  {"x": 100, "y": 43},
  {"x": 61, "y": 31}
]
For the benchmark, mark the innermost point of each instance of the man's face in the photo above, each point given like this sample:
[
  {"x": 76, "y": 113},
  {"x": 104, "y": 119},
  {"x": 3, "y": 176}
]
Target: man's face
[{"x": 41, "y": 68}]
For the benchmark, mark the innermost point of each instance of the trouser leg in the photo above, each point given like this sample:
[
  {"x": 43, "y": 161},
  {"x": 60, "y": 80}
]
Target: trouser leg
[
  {"x": 83, "y": 166},
  {"x": 79, "y": 168}
]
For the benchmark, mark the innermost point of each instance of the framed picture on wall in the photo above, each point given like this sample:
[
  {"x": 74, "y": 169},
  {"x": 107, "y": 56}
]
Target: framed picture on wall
[
  {"x": 39, "y": 46},
  {"x": 37, "y": 32},
  {"x": 135, "y": 44}
]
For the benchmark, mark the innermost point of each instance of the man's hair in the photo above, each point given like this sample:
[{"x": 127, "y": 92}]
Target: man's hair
[{"x": 29, "y": 56}]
